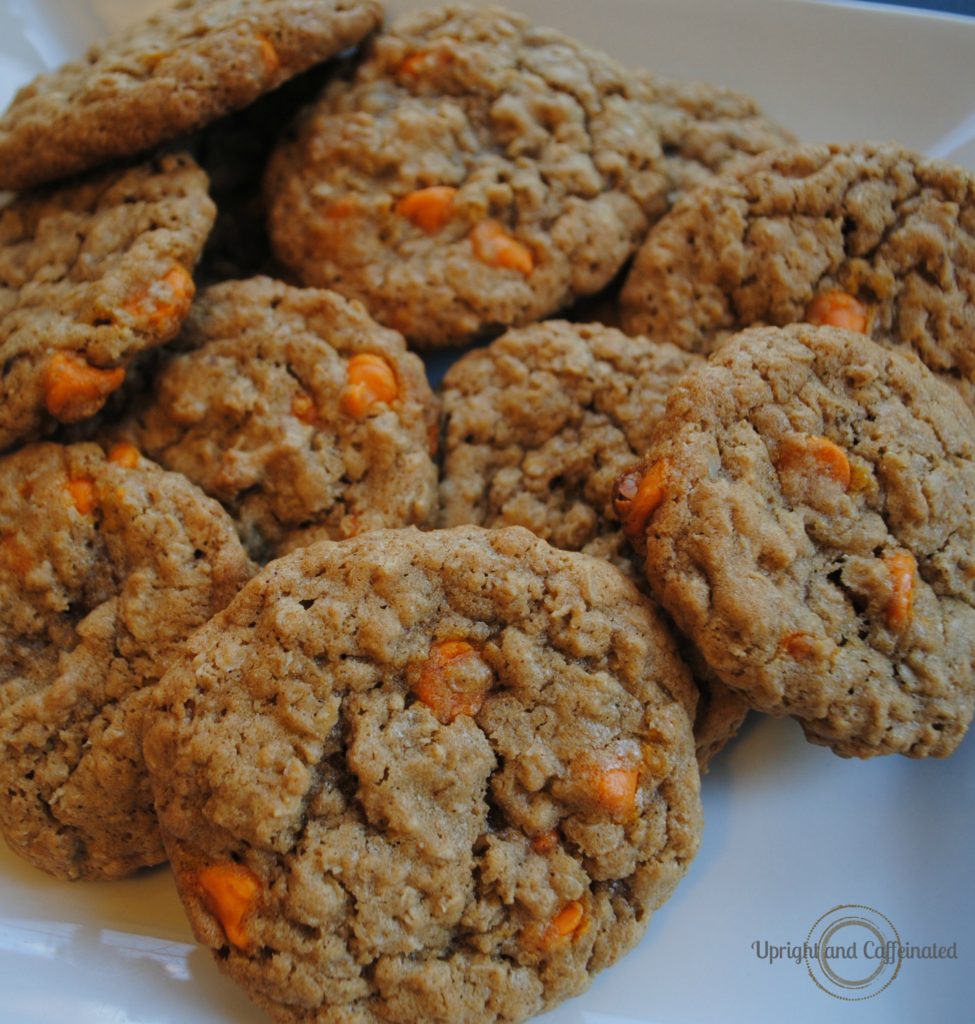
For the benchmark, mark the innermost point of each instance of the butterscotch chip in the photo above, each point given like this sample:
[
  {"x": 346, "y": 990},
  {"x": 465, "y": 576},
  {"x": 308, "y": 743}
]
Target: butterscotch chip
[
  {"x": 106, "y": 566},
  {"x": 93, "y": 273},
  {"x": 425, "y": 776},
  {"x": 890, "y": 228},
  {"x": 844, "y": 599},
  {"x": 167, "y": 76},
  {"x": 476, "y": 172},
  {"x": 269, "y": 412}
]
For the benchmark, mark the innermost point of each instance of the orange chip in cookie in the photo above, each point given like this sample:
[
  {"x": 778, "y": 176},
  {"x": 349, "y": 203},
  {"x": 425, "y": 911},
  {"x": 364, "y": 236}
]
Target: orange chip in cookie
[
  {"x": 371, "y": 381},
  {"x": 231, "y": 892},
  {"x": 454, "y": 680},
  {"x": 74, "y": 389},
  {"x": 496, "y": 247}
]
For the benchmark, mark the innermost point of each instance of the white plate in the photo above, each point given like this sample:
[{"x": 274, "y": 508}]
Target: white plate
[{"x": 791, "y": 830}]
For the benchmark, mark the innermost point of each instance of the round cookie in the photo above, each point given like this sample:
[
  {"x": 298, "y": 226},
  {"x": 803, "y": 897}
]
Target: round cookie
[
  {"x": 297, "y": 411},
  {"x": 807, "y": 512},
  {"x": 106, "y": 566},
  {"x": 704, "y": 127},
  {"x": 456, "y": 807},
  {"x": 476, "y": 173},
  {"x": 92, "y": 274},
  {"x": 167, "y": 76},
  {"x": 538, "y": 426},
  {"x": 889, "y": 227}
]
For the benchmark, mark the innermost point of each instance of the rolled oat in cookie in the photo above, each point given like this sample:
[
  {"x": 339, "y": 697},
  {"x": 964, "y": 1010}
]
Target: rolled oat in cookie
[
  {"x": 107, "y": 564},
  {"x": 441, "y": 777},
  {"x": 477, "y": 172},
  {"x": 868, "y": 236},
  {"x": 166, "y": 76},
  {"x": 807, "y": 513},
  {"x": 93, "y": 273},
  {"x": 297, "y": 411}
]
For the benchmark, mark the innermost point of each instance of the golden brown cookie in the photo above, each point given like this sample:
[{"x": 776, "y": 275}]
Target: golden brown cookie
[
  {"x": 297, "y": 411},
  {"x": 703, "y": 128},
  {"x": 874, "y": 237},
  {"x": 107, "y": 564},
  {"x": 477, "y": 172},
  {"x": 807, "y": 513},
  {"x": 92, "y": 274},
  {"x": 441, "y": 776},
  {"x": 167, "y": 76},
  {"x": 538, "y": 426}
]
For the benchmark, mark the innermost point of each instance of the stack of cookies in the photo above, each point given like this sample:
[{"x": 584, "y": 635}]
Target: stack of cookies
[{"x": 413, "y": 689}]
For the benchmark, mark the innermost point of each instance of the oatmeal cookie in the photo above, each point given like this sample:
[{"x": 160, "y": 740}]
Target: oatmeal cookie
[
  {"x": 166, "y": 76},
  {"x": 439, "y": 777},
  {"x": 538, "y": 426},
  {"x": 807, "y": 513},
  {"x": 295, "y": 410},
  {"x": 476, "y": 173},
  {"x": 795, "y": 230},
  {"x": 107, "y": 564},
  {"x": 93, "y": 273}
]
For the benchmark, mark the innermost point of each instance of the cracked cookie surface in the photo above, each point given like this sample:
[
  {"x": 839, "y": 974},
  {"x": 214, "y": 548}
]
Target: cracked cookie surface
[
  {"x": 806, "y": 512},
  {"x": 99, "y": 593},
  {"x": 885, "y": 225},
  {"x": 477, "y": 172},
  {"x": 167, "y": 76},
  {"x": 93, "y": 273},
  {"x": 457, "y": 806},
  {"x": 263, "y": 413}
]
